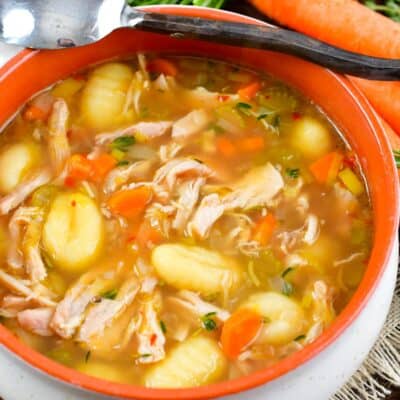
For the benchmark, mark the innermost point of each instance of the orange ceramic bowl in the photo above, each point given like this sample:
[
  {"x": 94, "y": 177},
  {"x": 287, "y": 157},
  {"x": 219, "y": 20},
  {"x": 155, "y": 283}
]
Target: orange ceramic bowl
[{"x": 32, "y": 71}]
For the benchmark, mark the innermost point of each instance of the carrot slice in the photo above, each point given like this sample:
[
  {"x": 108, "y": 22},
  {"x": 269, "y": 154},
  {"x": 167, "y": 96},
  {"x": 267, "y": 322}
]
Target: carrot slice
[
  {"x": 226, "y": 147},
  {"x": 264, "y": 229},
  {"x": 148, "y": 236},
  {"x": 326, "y": 168},
  {"x": 131, "y": 202},
  {"x": 34, "y": 113},
  {"x": 251, "y": 144},
  {"x": 79, "y": 168},
  {"x": 249, "y": 91},
  {"x": 239, "y": 330},
  {"x": 102, "y": 165},
  {"x": 162, "y": 66}
]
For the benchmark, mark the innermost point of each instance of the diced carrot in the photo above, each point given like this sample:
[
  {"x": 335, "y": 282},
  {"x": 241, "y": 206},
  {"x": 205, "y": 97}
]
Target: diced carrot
[
  {"x": 264, "y": 229},
  {"x": 326, "y": 168},
  {"x": 226, "y": 147},
  {"x": 147, "y": 235},
  {"x": 248, "y": 92},
  {"x": 162, "y": 66},
  {"x": 102, "y": 165},
  {"x": 239, "y": 330},
  {"x": 79, "y": 168},
  {"x": 131, "y": 202},
  {"x": 251, "y": 144},
  {"x": 34, "y": 113}
]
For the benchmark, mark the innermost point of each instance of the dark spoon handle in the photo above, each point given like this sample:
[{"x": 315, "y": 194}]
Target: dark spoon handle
[{"x": 267, "y": 38}]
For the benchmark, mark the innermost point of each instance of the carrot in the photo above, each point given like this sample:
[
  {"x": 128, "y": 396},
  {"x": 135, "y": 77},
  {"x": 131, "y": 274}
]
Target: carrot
[
  {"x": 249, "y": 91},
  {"x": 351, "y": 26},
  {"x": 326, "y": 168},
  {"x": 34, "y": 113},
  {"x": 102, "y": 165},
  {"x": 239, "y": 330},
  {"x": 251, "y": 144},
  {"x": 131, "y": 202},
  {"x": 147, "y": 235},
  {"x": 162, "y": 66},
  {"x": 79, "y": 168},
  {"x": 264, "y": 229},
  {"x": 226, "y": 147}
]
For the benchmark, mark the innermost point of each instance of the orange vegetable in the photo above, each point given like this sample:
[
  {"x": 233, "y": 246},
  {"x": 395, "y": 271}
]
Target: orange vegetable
[
  {"x": 79, "y": 168},
  {"x": 351, "y": 26},
  {"x": 239, "y": 331},
  {"x": 226, "y": 147},
  {"x": 131, "y": 202},
  {"x": 264, "y": 229},
  {"x": 326, "y": 168},
  {"x": 251, "y": 144},
  {"x": 147, "y": 235},
  {"x": 102, "y": 165},
  {"x": 162, "y": 66},
  {"x": 249, "y": 91},
  {"x": 34, "y": 113}
]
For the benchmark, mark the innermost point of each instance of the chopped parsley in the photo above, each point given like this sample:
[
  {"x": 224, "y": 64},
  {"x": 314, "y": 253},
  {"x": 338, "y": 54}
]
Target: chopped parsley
[
  {"x": 287, "y": 271},
  {"x": 87, "y": 356},
  {"x": 244, "y": 108},
  {"x": 122, "y": 163},
  {"x": 276, "y": 121},
  {"x": 301, "y": 337},
  {"x": 208, "y": 323},
  {"x": 262, "y": 116},
  {"x": 293, "y": 172},
  {"x": 142, "y": 356},
  {"x": 287, "y": 288},
  {"x": 122, "y": 143},
  {"x": 110, "y": 294},
  {"x": 163, "y": 327}
]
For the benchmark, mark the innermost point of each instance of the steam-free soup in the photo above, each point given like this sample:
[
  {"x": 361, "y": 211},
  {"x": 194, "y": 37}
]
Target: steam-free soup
[{"x": 174, "y": 222}]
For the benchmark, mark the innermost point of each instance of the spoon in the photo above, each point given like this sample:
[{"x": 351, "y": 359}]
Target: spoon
[{"x": 55, "y": 24}]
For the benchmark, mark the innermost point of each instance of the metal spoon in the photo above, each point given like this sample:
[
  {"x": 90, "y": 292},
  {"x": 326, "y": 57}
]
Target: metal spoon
[{"x": 54, "y": 24}]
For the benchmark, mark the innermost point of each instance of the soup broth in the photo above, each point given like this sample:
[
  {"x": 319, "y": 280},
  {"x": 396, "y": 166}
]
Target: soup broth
[{"x": 175, "y": 222}]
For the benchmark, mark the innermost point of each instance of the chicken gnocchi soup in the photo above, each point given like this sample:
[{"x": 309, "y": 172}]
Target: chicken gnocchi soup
[{"x": 175, "y": 222}]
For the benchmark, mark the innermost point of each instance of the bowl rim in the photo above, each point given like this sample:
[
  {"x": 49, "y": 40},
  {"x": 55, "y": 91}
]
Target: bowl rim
[{"x": 343, "y": 321}]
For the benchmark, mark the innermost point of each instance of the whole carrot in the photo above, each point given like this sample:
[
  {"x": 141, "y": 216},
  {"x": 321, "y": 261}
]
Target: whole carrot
[{"x": 351, "y": 26}]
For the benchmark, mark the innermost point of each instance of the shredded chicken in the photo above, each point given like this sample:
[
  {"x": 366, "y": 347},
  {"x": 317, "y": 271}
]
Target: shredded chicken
[
  {"x": 37, "y": 320},
  {"x": 102, "y": 314},
  {"x": 11, "y": 305},
  {"x": 255, "y": 189},
  {"x": 19, "y": 287},
  {"x": 58, "y": 144},
  {"x": 172, "y": 170},
  {"x": 160, "y": 217},
  {"x": 169, "y": 151},
  {"x": 121, "y": 175},
  {"x": 188, "y": 197},
  {"x": 322, "y": 310},
  {"x": 191, "y": 124},
  {"x": 208, "y": 212},
  {"x": 23, "y": 190},
  {"x": 146, "y": 130},
  {"x": 312, "y": 230}
]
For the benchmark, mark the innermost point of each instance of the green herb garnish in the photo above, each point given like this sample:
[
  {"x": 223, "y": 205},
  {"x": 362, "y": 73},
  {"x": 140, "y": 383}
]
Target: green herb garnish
[
  {"x": 163, "y": 327},
  {"x": 301, "y": 337},
  {"x": 287, "y": 271},
  {"x": 122, "y": 143},
  {"x": 293, "y": 172},
  {"x": 87, "y": 356},
  {"x": 110, "y": 295},
  {"x": 244, "y": 108},
  {"x": 287, "y": 288},
  {"x": 208, "y": 323},
  {"x": 122, "y": 163},
  {"x": 276, "y": 121},
  {"x": 396, "y": 154}
]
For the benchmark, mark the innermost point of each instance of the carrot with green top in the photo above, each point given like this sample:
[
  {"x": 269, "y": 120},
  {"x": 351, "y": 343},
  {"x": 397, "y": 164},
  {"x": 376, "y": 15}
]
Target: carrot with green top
[
  {"x": 130, "y": 203},
  {"x": 326, "y": 169},
  {"x": 239, "y": 331},
  {"x": 264, "y": 229}
]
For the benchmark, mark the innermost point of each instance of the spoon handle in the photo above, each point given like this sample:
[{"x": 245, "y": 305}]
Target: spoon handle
[{"x": 267, "y": 38}]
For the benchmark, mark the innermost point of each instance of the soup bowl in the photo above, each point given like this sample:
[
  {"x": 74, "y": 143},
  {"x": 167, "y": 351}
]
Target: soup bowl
[{"x": 319, "y": 369}]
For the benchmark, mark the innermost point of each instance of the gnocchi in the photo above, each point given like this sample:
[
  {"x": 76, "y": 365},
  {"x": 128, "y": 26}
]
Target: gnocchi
[
  {"x": 73, "y": 232},
  {"x": 196, "y": 268},
  {"x": 195, "y": 362}
]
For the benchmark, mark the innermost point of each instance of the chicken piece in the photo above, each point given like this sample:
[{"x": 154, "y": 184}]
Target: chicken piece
[
  {"x": 188, "y": 167},
  {"x": 37, "y": 320},
  {"x": 121, "y": 175},
  {"x": 19, "y": 287},
  {"x": 23, "y": 190},
  {"x": 11, "y": 305},
  {"x": 208, "y": 212},
  {"x": 169, "y": 151},
  {"x": 311, "y": 229},
  {"x": 150, "y": 337},
  {"x": 160, "y": 217},
  {"x": 200, "y": 97},
  {"x": 70, "y": 312},
  {"x": 191, "y": 124},
  {"x": 58, "y": 144},
  {"x": 102, "y": 314},
  {"x": 193, "y": 307},
  {"x": 189, "y": 193},
  {"x": 322, "y": 304},
  {"x": 255, "y": 189},
  {"x": 146, "y": 130}
]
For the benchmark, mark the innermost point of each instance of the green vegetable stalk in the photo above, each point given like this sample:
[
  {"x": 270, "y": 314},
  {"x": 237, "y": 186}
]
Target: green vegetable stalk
[
  {"x": 201, "y": 3},
  {"x": 391, "y": 8}
]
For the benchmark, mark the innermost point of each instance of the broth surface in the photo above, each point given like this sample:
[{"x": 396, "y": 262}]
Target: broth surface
[{"x": 174, "y": 222}]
